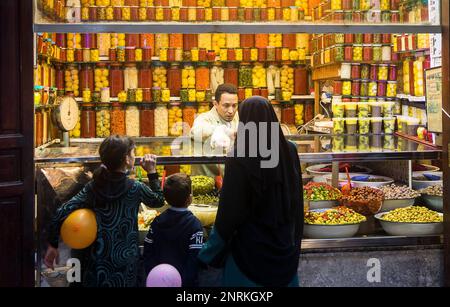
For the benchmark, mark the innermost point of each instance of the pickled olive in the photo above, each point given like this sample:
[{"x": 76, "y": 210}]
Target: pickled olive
[{"x": 413, "y": 214}]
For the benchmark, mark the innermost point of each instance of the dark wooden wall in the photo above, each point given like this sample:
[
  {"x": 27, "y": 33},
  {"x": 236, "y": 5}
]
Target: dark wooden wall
[
  {"x": 16, "y": 144},
  {"x": 446, "y": 135}
]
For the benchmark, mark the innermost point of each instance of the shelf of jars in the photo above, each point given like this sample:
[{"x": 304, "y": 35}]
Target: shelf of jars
[
  {"x": 372, "y": 11},
  {"x": 344, "y": 148},
  {"x": 232, "y": 16}
]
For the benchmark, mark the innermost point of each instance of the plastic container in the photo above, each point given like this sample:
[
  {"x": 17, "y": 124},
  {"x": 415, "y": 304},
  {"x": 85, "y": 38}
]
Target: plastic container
[
  {"x": 388, "y": 108},
  {"x": 351, "y": 125},
  {"x": 363, "y": 109},
  {"x": 377, "y": 125},
  {"x": 338, "y": 109},
  {"x": 376, "y": 108},
  {"x": 412, "y": 125},
  {"x": 389, "y": 125},
  {"x": 338, "y": 125},
  {"x": 364, "y": 125}
]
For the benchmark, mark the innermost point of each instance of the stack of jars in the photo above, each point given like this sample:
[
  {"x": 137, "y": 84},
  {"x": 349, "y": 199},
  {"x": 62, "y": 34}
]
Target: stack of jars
[{"x": 367, "y": 11}]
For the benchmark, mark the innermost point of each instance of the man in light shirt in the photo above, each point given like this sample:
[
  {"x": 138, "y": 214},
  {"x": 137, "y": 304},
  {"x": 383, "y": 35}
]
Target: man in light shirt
[{"x": 217, "y": 127}]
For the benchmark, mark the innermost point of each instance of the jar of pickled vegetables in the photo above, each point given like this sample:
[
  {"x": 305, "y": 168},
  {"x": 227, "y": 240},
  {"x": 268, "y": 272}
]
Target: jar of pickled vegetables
[
  {"x": 391, "y": 89},
  {"x": 147, "y": 120},
  {"x": 372, "y": 89},
  {"x": 161, "y": 120},
  {"x": 88, "y": 126},
  {"x": 189, "y": 113},
  {"x": 159, "y": 75},
  {"x": 188, "y": 76},
  {"x": 132, "y": 120},
  {"x": 245, "y": 75},
  {"x": 357, "y": 53},
  {"x": 116, "y": 79},
  {"x": 103, "y": 120},
  {"x": 259, "y": 78},
  {"x": 203, "y": 107},
  {"x": 202, "y": 75},
  {"x": 175, "y": 119},
  {"x": 288, "y": 113},
  {"x": 299, "y": 110},
  {"x": 87, "y": 77},
  {"x": 117, "y": 119},
  {"x": 231, "y": 74},
  {"x": 174, "y": 79},
  {"x": 383, "y": 72},
  {"x": 346, "y": 88}
]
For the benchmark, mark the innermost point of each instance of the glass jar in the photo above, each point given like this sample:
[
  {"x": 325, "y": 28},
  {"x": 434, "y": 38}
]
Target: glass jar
[
  {"x": 348, "y": 53},
  {"x": 175, "y": 119},
  {"x": 337, "y": 87},
  {"x": 386, "y": 53},
  {"x": 101, "y": 78},
  {"x": 161, "y": 120},
  {"x": 88, "y": 127},
  {"x": 165, "y": 95},
  {"x": 365, "y": 69},
  {"x": 245, "y": 75},
  {"x": 356, "y": 88},
  {"x": 116, "y": 79},
  {"x": 381, "y": 88},
  {"x": 147, "y": 120},
  {"x": 357, "y": 53},
  {"x": 345, "y": 71},
  {"x": 189, "y": 114},
  {"x": 130, "y": 75},
  {"x": 377, "y": 56},
  {"x": 356, "y": 71},
  {"x": 159, "y": 75},
  {"x": 364, "y": 88},
  {"x": 188, "y": 76},
  {"x": 103, "y": 120},
  {"x": 132, "y": 121},
  {"x": 288, "y": 113},
  {"x": 383, "y": 72},
  {"x": 87, "y": 77},
  {"x": 156, "y": 94},
  {"x": 174, "y": 79},
  {"x": 392, "y": 73},
  {"x": 202, "y": 75},
  {"x": 120, "y": 53},
  {"x": 338, "y": 53},
  {"x": 309, "y": 110},
  {"x": 145, "y": 76},
  {"x": 367, "y": 52},
  {"x": 346, "y": 88},
  {"x": 373, "y": 73},
  {"x": 259, "y": 78},
  {"x": 372, "y": 89},
  {"x": 300, "y": 80},
  {"x": 231, "y": 74},
  {"x": 391, "y": 89}
]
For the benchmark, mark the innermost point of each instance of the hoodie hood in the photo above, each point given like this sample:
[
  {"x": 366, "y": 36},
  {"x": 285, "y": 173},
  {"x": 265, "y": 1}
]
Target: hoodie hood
[
  {"x": 172, "y": 223},
  {"x": 110, "y": 186}
]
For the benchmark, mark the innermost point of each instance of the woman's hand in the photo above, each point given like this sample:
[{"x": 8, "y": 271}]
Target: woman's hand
[
  {"x": 51, "y": 256},
  {"x": 148, "y": 163}
]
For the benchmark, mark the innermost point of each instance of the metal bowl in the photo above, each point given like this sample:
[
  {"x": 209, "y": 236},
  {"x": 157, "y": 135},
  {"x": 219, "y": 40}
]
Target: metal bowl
[
  {"x": 422, "y": 184},
  {"x": 321, "y": 204},
  {"x": 435, "y": 203},
  {"x": 387, "y": 181},
  {"x": 314, "y": 231},
  {"x": 391, "y": 204},
  {"x": 410, "y": 229}
]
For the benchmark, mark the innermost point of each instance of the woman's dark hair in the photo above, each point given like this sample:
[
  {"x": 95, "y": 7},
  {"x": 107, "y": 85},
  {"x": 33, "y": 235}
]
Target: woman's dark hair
[
  {"x": 114, "y": 150},
  {"x": 177, "y": 189},
  {"x": 226, "y": 88}
]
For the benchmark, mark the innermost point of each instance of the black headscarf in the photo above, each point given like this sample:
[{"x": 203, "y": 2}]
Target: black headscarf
[{"x": 258, "y": 110}]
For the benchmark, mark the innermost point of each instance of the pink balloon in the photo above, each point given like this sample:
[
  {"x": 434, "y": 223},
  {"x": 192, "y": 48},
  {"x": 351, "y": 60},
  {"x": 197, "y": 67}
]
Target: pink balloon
[{"x": 164, "y": 275}]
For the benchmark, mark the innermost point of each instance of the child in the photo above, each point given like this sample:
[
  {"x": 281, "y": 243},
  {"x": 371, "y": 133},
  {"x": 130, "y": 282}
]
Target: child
[
  {"x": 176, "y": 236},
  {"x": 112, "y": 260}
]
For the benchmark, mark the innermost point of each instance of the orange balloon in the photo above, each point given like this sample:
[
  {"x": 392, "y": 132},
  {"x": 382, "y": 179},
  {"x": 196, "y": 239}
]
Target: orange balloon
[{"x": 79, "y": 229}]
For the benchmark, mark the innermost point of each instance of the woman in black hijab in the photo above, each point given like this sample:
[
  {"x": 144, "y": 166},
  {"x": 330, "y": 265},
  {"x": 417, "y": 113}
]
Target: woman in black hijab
[{"x": 259, "y": 222}]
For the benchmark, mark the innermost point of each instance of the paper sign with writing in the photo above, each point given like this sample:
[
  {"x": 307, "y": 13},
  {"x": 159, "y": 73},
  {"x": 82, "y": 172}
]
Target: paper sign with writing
[{"x": 433, "y": 81}]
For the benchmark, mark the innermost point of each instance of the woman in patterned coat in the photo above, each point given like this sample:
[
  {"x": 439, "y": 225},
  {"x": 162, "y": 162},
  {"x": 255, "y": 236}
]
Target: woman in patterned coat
[{"x": 112, "y": 260}]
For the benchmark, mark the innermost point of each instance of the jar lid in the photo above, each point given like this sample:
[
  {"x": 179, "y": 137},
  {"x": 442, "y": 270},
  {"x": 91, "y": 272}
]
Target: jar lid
[
  {"x": 117, "y": 104},
  {"x": 148, "y": 105},
  {"x": 103, "y": 104},
  {"x": 275, "y": 102},
  {"x": 190, "y": 104},
  {"x": 87, "y": 104},
  {"x": 174, "y": 103}
]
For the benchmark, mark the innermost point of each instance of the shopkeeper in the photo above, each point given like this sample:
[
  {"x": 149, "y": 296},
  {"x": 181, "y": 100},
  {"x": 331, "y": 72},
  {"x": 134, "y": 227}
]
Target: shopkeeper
[{"x": 217, "y": 127}]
